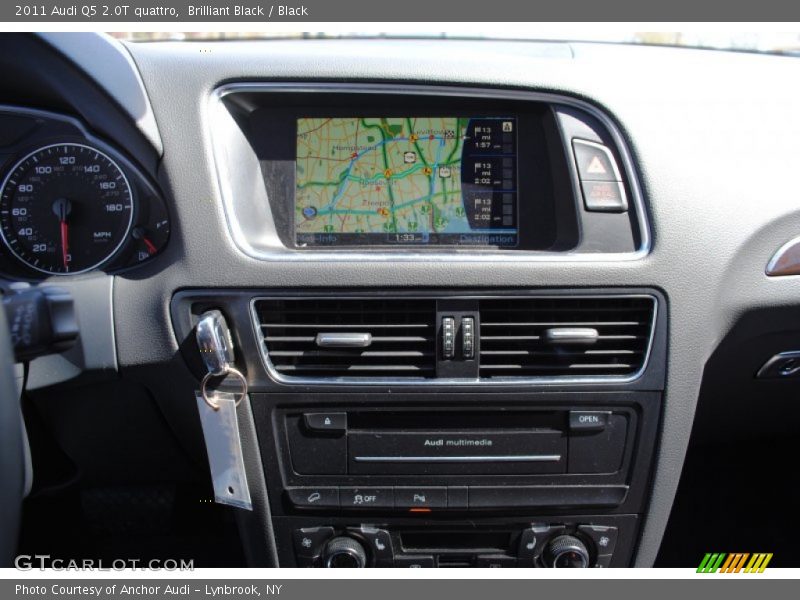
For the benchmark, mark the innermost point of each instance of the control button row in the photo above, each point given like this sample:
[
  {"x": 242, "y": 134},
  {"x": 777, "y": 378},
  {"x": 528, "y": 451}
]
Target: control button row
[
  {"x": 455, "y": 497},
  {"x": 379, "y": 497},
  {"x": 601, "y": 181}
]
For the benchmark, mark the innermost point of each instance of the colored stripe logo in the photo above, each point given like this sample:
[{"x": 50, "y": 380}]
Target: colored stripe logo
[{"x": 739, "y": 562}]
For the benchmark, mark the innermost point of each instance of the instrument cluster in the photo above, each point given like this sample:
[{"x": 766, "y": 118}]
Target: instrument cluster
[{"x": 70, "y": 203}]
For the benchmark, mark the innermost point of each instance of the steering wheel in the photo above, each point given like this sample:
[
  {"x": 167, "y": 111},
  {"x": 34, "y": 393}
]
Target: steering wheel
[{"x": 12, "y": 457}]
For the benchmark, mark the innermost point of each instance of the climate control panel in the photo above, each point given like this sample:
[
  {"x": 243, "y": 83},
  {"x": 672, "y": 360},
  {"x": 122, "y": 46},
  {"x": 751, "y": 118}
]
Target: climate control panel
[{"x": 556, "y": 545}]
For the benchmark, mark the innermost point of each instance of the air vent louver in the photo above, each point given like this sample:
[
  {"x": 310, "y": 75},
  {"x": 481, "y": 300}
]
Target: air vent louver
[
  {"x": 401, "y": 336},
  {"x": 519, "y": 337}
]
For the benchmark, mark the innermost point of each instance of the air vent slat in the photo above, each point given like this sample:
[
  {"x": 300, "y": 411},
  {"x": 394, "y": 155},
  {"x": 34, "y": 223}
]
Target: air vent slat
[
  {"x": 545, "y": 353},
  {"x": 350, "y": 368},
  {"x": 348, "y": 325},
  {"x": 564, "y": 324},
  {"x": 556, "y": 311},
  {"x": 375, "y": 339},
  {"x": 514, "y": 340},
  {"x": 490, "y": 338},
  {"x": 401, "y": 343},
  {"x": 544, "y": 367},
  {"x": 316, "y": 353}
]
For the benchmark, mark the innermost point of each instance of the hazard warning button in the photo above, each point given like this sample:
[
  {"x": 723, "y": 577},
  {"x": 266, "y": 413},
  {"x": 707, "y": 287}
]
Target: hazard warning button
[
  {"x": 595, "y": 162},
  {"x": 601, "y": 182}
]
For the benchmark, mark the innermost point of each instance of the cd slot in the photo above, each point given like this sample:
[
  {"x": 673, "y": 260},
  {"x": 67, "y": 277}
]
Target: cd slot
[
  {"x": 455, "y": 420},
  {"x": 474, "y": 452},
  {"x": 459, "y": 459}
]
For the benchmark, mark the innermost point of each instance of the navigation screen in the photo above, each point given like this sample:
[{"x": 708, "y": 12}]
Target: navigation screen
[{"x": 406, "y": 180}]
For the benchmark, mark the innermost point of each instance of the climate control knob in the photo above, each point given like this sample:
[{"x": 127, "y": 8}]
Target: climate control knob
[
  {"x": 566, "y": 552},
  {"x": 344, "y": 552}
]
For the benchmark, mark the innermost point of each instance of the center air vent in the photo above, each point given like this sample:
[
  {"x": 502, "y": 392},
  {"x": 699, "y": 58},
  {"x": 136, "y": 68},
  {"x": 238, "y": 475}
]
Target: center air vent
[
  {"x": 556, "y": 336},
  {"x": 349, "y": 337}
]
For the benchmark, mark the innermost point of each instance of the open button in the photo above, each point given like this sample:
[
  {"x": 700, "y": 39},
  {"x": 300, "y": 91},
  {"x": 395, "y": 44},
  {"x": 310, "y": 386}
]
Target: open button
[{"x": 582, "y": 420}]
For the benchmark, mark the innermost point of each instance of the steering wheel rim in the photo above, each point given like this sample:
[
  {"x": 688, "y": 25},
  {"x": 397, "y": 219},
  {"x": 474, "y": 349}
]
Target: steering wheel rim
[{"x": 12, "y": 454}]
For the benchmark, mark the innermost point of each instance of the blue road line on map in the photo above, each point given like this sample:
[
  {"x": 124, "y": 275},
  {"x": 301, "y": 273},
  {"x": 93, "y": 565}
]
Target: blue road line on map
[
  {"x": 432, "y": 181},
  {"x": 331, "y": 207},
  {"x": 340, "y": 191}
]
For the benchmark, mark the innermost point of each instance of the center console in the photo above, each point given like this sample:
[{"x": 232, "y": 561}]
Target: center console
[
  {"x": 470, "y": 430},
  {"x": 443, "y": 427},
  {"x": 504, "y": 480}
]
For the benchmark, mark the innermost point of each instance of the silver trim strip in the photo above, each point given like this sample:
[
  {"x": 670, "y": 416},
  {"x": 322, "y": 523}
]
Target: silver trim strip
[
  {"x": 459, "y": 459},
  {"x": 244, "y": 242},
  {"x": 508, "y": 381},
  {"x": 344, "y": 340},
  {"x": 786, "y": 260},
  {"x": 571, "y": 335}
]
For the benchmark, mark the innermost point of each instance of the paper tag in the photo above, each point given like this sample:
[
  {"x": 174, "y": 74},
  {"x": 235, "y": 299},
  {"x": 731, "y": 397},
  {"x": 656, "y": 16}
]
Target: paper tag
[{"x": 224, "y": 447}]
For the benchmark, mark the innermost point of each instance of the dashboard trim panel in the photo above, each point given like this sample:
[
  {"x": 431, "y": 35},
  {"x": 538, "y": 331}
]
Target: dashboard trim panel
[{"x": 117, "y": 74}]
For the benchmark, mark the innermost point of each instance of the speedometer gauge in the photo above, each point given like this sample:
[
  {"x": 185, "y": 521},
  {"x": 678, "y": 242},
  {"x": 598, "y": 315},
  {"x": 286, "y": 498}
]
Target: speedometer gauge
[{"x": 65, "y": 208}]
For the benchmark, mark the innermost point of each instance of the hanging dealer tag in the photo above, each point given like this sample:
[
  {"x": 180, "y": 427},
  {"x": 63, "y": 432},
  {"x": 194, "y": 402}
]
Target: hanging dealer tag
[{"x": 224, "y": 447}]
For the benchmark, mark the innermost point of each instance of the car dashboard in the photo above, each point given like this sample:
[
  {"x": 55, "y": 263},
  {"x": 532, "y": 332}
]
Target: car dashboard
[{"x": 474, "y": 290}]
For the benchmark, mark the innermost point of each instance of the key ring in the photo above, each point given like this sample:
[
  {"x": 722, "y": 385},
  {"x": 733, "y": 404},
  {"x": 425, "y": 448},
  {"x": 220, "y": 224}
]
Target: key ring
[{"x": 224, "y": 373}]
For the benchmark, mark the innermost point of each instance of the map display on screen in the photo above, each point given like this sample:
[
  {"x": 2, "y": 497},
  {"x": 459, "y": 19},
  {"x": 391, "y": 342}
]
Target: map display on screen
[{"x": 406, "y": 180}]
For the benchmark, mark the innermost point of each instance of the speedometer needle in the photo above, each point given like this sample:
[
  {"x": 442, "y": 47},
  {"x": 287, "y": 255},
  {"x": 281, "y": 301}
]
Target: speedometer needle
[
  {"x": 62, "y": 207},
  {"x": 65, "y": 242}
]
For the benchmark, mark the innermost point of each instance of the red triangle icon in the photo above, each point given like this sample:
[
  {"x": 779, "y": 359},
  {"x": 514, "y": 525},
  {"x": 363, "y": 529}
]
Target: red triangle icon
[{"x": 596, "y": 166}]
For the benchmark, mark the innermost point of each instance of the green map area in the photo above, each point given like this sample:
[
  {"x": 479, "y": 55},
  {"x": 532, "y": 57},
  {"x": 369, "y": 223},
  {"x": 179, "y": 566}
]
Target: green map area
[{"x": 380, "y": 175}]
